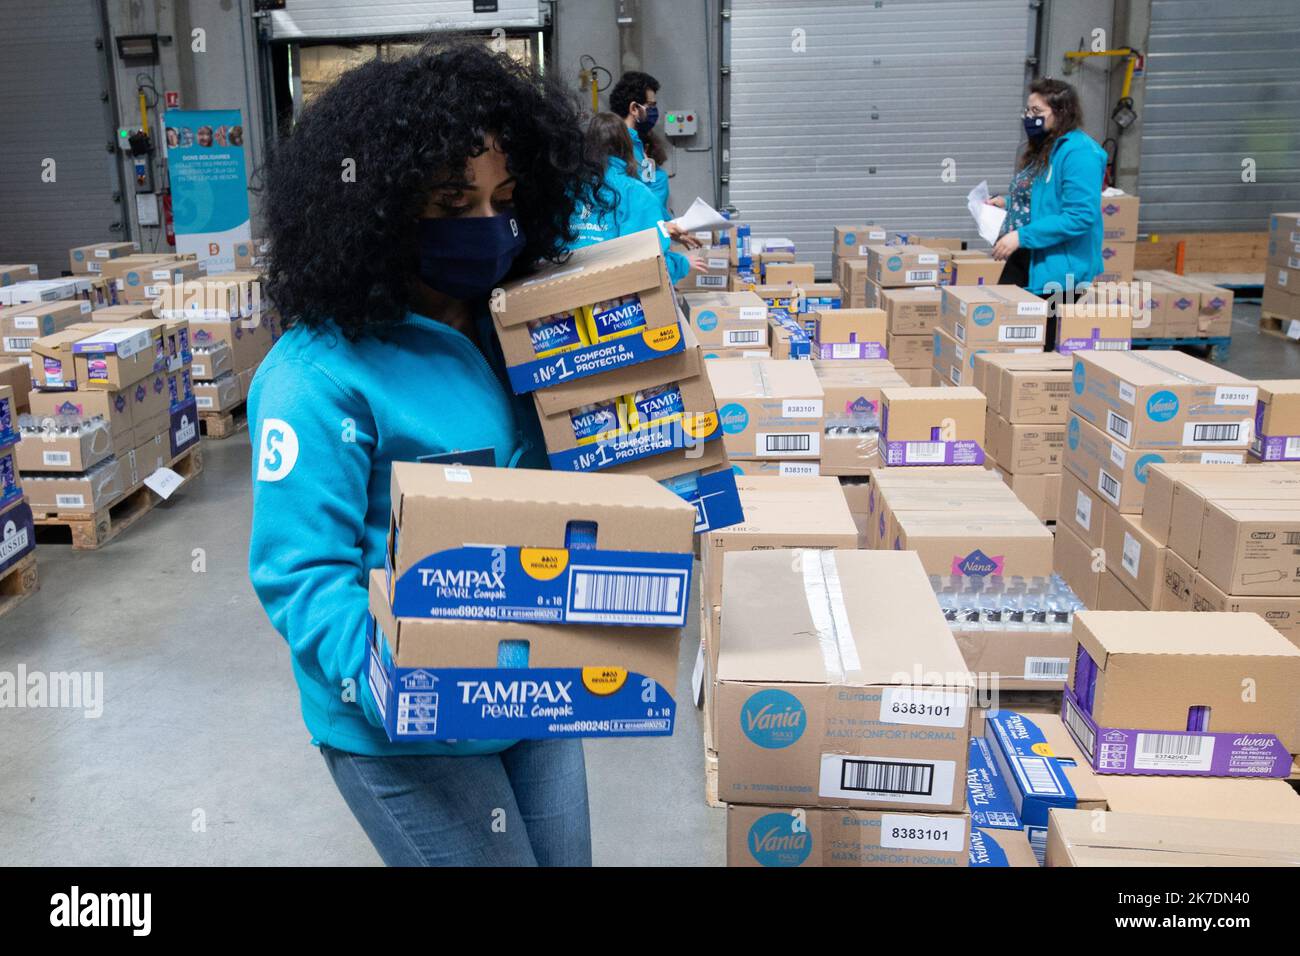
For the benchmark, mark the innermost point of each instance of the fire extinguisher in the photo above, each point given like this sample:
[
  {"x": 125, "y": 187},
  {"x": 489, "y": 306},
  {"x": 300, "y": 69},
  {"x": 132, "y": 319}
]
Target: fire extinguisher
[{"x": 168, "y": 224}]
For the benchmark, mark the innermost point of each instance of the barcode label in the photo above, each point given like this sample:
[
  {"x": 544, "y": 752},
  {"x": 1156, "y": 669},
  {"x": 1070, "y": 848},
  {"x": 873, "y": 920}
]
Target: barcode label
[
  {"x": 69, "y": 501},
  {"x": 743, "y": 336},
  {"x": 1109, "y": 486},
  {"x": 1037, "y": 777},
  {"x": 1290, "y": 538},
  {"x": 845, "y": 350},
  {"x": 1031, "y": 308},
  {"x": 101, "y": 253},
  {"x": 56, "y": 458},
  {"x": 1127, "y": 393},
  {"x": 1132, "y": 555},
  {"x": 1083, "y": 510},
  {"x": 923, "y": 452},
  {"x": 921, "y": 276},
  {"x": 1119, "y": 426},
  {"x": 907, "y": 831},
  {"x": 26, "y": 323},
  {"x": 787, "y": 443},
  {"x": 887, "y": 779},
  {"x": 1118, "y": 456},
  {"x": 1078, "y": 725},
  {"x": 18, "y": 343},
  {"x": 625, "y": 596},
  {"x": 1047, "y": 668},
  {"x": 1169, "y": 751},
  {"x": 1111, "y": 345},
  {"x": 710, "y": 282},
  {"x": 1020, "y": 333},
  {"x": 1221, "y": 458},
  {"x": 914, "y": 779},
  {"x": 203, "y": 401},
  {"x": 1222, "y": 433},
  {"x": 960, "y": 330}
]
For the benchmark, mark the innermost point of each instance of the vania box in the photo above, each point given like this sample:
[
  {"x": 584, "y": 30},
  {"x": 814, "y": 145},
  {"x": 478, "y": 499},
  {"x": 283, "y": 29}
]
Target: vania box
[
  {"x": 895, "y": 266},
  {"x": 21, "y": 325},
  {"x": 500, "y": 680},
  {"x": 1163, "y": 400},
  {"x": 839, "y": 684},
  {"x": 90, "y": 259},
  {"x": 769, "y": 836},
  {"x": 727, "y": 320},
  {"x": 636, "y": 412},
  {"x": 993, "y": 315},
  {"x": 932, "y": 426},
  {"x": 609, "y": 306},
  {"x": 548, "y": 547},
  {"x": 853, "y": 242},
  {"x": 22, "y": 272},
  {"x": 1277, "y": 421},
  {"x": 1161, "y": 693},
  {"x": 768, "y": 408}
]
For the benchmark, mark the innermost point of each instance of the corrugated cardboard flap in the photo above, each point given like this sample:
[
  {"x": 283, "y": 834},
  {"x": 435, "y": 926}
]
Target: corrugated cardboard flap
[
  {"x": 1141, "y": 368},
  {"x": 794, "y": 505},
  {"x": 932, "y": 394},
  {"x": 1104, "y": 633},
  {"x": 763, "y": 378},
  {"x": 1119, "y": 839}
]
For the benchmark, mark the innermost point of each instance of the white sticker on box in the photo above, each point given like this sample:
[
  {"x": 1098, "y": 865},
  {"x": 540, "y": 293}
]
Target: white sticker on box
[
  {"x": 1031, "y": 308},
  {"x": 1217, "y": 433},
  {"x": 1109, "y": 486},
  {"x": 916, "y": 831},
  {"x": 710, "y": 282},
  {"x": 203, "y": 401},
  {"x": 1221, "y": 458},
  {"x": 959, "y": 351},
  {"x": 18, "y": 343},
  {"x": 1131, "y": 559},
  {"x": 1182, "y": 752},
  {"x": 1236, "y": 395},
  {"x": 56, "y": 458},
  {"x": 777, "y": 444},
  {"x": 1281, "y": 277},
  {"x": 1119, "y": 426},
  {"x": 94, "y": 267},
  {"x": 458, "y": 474},
  {"x": 101, "y": 253},
  {"x": 1083, "y": 510},
  {"x": 163, "y": 275},
  {"x": 752, "y": 313},
  {"x": 961, "y": 307},
  {"x": 85, "y": 307},
  {"x": 742, "y": 337},
  {"x": 887, "y": 779},
  {"x": 26, "y": 322},
  {"x": 1118, "y": 455},
  {"x": 198, "y": 370},
  {"x": 801, "y": 408},
  {"x": 1127, "y": 393},
  {"x": 1020, "y": 333},
  {"x": 121, "y": 286},
  {"x": 1047, "y": 668},
  {"x": 719, "y": 263},
  {"x": 923, "y": 707},
  {"x": 69, "y": 501},
  {"x": 954, "y": 374},
  {"x": 798, "y": 469},
  {"x": 959, "y": 329},
  {"x": 1293, "y": 330},
  {"x": 153, "y": 291},
  {"x": 927, "y": 259},
  {"x": 921, "y": 276}
]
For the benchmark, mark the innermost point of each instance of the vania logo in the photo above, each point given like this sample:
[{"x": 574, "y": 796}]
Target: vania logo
[
  {"x": 1143, "y": 463},
  {"x": 1080, "y": 377},
  {"x": 132, "y": 278},
  {"x": 1162, "y": 406},
  {"x": 977, "y": 564},
  {"x": 983, "y": 315},
  {"x": 850, "y": 238},
  {"x": 773, "y": 718},
  {"x": 895, "y": 263},
  {"x": 707, "y": 321},
  {"x": 734, "y": 418},
  {"x": 774, "y": 841}
]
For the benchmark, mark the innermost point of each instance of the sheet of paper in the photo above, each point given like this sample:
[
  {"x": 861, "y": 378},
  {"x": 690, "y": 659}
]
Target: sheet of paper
[
  {"x": 699, "y": 217},
  {"x": 164, "y": 481},
  {"x": 988, "y": 219}
]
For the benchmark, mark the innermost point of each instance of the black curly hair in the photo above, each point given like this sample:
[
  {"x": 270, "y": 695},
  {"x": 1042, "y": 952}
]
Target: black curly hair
[
  {"x": 630, "y": 88},
  {"x": 347, "y": 251}
]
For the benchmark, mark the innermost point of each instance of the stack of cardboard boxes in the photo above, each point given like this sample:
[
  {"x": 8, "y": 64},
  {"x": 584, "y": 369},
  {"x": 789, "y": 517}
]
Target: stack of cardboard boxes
[
  {"x": 1177, "y": 307},
  {"x": 728, "y": 324},
  {"x": 849, "y": 260},
  {"x": 988, "y": 318},
  {"x": 771, "y": 415},
  {"x": 1028, "y": 403},
  {"x": 1119, "y": 224},
  {"x": 24, "y": 323},
  {"x": 1129, "y": 411},
  {"x": 911, "y": 318},
  {"x": 89, "y": 260},
  {"x": 932, "y": 426},
  {"x": 851, "y": 412},
  {"x": 616, "y": 373},
  {"x": 1281, "y": 302}
]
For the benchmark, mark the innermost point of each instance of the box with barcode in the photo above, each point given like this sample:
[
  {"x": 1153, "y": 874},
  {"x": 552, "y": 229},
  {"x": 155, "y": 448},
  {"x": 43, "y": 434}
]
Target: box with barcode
[
  {"x": 543, "y": 547},
  {"x": 83, "y": 493},
  {"x": 1180, "y": 692},
  {"x": 439, "y": 679},
  {"x": 1163, "y": 400},
  {"x": 768, "y": 408},
  {"x": 852, "y": 241},
  {"x": 1024, "y": 449},
  {"x": 150, "y": 280},
  {"x": 21, "y": 325},
  {"x": 1013, "y": 658},
  {"x": 1026, "y": 388},
  {"x": 727, "y": 320},
  {"x": 59, "y": 449},
  {"x": 18, "y": 272},
  {"x": 1093, "y": 325},
  {"x": 1085, "y": 838},
  {"x": 932, "y": 426},
  {"x": 701, "y": 476},
  {"x": 716, "y": 274},
  {"x": 895, "y": 266},
  {"x": 777, "y": 837},
  {"x": 1277, "y": 421},
  {"x": 839, "y": 684},
  {"x": 993, "y": 315},
  {"x": 851, "y": 334}
]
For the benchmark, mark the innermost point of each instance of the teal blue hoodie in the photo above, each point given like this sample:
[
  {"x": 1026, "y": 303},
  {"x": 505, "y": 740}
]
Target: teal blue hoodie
[
  {"x": 1064, "y": 231},
  {"x": 659, "y": 184},
  {"x": 623, "y": 206},
  {"x": 327, "y": 418}
]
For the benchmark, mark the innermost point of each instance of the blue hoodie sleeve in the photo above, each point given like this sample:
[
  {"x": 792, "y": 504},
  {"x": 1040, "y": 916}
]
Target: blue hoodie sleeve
[
  {"x": 638, "y": 210},
  {"x": 1081, "y": 169},
  {"x": 312, "y": 449}
]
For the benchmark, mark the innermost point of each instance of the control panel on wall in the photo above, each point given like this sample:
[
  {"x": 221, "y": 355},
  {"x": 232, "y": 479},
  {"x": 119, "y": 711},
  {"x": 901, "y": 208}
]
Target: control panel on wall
[{"x": 681, "y": 122}]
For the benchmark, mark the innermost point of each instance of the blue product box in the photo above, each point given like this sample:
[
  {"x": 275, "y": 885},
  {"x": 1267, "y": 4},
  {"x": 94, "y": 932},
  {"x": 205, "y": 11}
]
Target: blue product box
[
  {"x": 1001, "y": 848},
  {"x": 987, "y": 796},
  {"x": 17, "y": 533}
]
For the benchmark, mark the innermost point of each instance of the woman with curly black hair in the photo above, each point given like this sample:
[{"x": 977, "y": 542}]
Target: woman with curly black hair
[{"x": 407, "y": 192}]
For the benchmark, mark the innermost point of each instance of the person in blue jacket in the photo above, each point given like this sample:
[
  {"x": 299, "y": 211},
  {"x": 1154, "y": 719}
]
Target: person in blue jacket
[
  {"x": 406, "y": 193},
  {"x": 622, "y": 204},
  {"x": 1062, "y": 168}
]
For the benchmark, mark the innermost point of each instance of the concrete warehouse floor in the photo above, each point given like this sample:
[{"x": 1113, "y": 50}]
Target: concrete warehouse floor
[{"x": 200, "y": 755}]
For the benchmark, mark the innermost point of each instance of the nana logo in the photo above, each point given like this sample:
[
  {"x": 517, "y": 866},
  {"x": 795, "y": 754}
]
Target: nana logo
[
  {"x": 774, "y": 841},
  {"x": 977, "y": 564},
  {"x": 277, "y": 450},
  {"x": 734, "y": 418},
  {"x": 1162, "y": 406},
  {"x": 515, "y": 692},
  {"x": 773, "y": 718}
]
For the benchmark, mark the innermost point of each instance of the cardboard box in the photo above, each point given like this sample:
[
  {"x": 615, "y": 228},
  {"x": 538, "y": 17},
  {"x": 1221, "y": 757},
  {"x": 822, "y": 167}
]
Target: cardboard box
[
  {"x": 988, "y": 792},
  {"x": 84, "y": 260},
  {"x": 53, "y": 365},
  {"x": 851, "y": 427},
  {"x": 20, "y": 325},
  {"x": 1281, "y": 303},
  {"x": 1210, "y": 798},
  {"x": 954, "y": 363},
  {"x": 1078, "y": 838},
  {"x": 975, "y": 545},
  {"x": 85, "y": 404},
  {"x": 11, "y": 487},
  {"x": 252, "y": 254},
  {"x": 1175, "y": 589},
  {"x": 75, "y": 493},
  {"x": 851, "y": 334},
  {"x": 1014, "y": 658},
  {"x": 217, "y": 395},
  {"x": 537, "y": 546},
  {"x": 1277, "y": 421},
  {"x": 155, "y": 280},
  {"x": 700, "y": 476},
  {"x": 57, "y": 451},
  {"x": 784, "y": 701},
  {"x": 1281, "y": 613},
  {"x": 854, "y": 277},
  {"x": 949, "y": 243},
  {"x": 246, "y": 381},
  {"x": 113, "y": 356},
  {"x": 727, "y": 320},
  {"x": 1119, "y": 217},
  {"x": 975, "y": 269},
  {"x": 910, "y": 351},
  {"x": 16, "y": 374},
  {"x": 852, "y": 241},
  {"x": 993, "y": 315},
  {"x": 917, "y": 377},
  {"x": 1193, "y": 496},
  {"x": 1117, "y": 261},
  {"x": 857, "y": 493},
  {"x": 1164, "y": 479},
  {"x": 768, "y": 408},
  {"x": 936, "y": 498},
  {"x": 211, "y": 362},
  {"x": 148, "y": 457},
  {"x": 1112, "y": 595},
  {"x": 1040, "y": 493},
  {"x": 789, "y": 273},
  {"x": 1082, "y": 510},
  {"x": 1024, "y": 449},
  {"x": 621, "y": 290},
  {"x": 892, "y": 267},
  {"x": 150, "y": 411},
  {"x": 1163, "y": 695},
  {"x": 1025, "y": 388},
  {"x": 1093, "y": 326},
  {"x": 443, "y": 679},
  {"x": 931, "y": 426},
  {"x": 768, "y": 836},
  {"x": 1078, "y": 565},
  {"x": 910, "y": 311},
  {"x": 18, "y": 272},
  {"x": 715, "y": 275},
  {"x": 1134, "y": 557},
  {"x": 1249, "y": 547}
]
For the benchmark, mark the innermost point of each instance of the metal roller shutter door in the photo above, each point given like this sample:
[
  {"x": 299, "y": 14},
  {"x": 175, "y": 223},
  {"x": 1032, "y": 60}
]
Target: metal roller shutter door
[
  {"x": 325, "y": 19},
  {"x": 860, "y": 125}
]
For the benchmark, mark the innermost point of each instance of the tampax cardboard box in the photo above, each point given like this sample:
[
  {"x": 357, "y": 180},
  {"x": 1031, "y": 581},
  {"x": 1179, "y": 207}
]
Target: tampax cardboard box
[
  {"x": 789, "y": 273},
  {"x": 1119, "y": 216},
  {"x": 86, "y": 492},
  {"x": 1075, "y": 561},
  {"x": 727, "y": 320},
  {"x": 510, "y": 544},
  {"x": 21, "y": 272},
  {"x": 770, "y": 836},
  {"x": 1163, "y": 695},
  {"x": 988, "y": 792},
  {"x": 701, "y": 476},
  {"x": 65, "y": 451},
  {"x": 852, "y": 241},
  {"x": 217, "y": 395},
  {"x": 1082, "y": 510},
  {"x": 1024, "y": 449},
  {"x": 910, "y": 351},
  {"x": 212, "y": 361},
  {"x": 1277, "y": 421},
  {"x": 789, "y": 338},
  {"x": 768, "y": 408},
  {"x": 1176, "y": 586},
  {"x": 974, "y": 268},
  {"x": 895, "y": 266},
  {"x": 1281, "y": 613},
  {"x": 617, "y": 292},
  {"x": 932, "y": 426},
  {"x": 1137, "y": 559},
  {"x": 1040, "y": 493},
  {"x": 993, "y": 315},
  {"x": 851, "y": 334},
  {"x": 20, "y": 325},
  {"x": 1117, "y": 261},
  {"x": 1093, "y": 326},
  {"x": 1078, "y": 838},
  {"x": 90, "y": 259},
  {"x": 86, "y": 404},
  {"x": 849, "y": 717},
  {"x": 1249, "y": 547},
  {"x": 635, "y": 412},
  {"x": 910, "y": 311},
  {"x": 976, "y": 544},
  {"x": 437, "y": 679}
]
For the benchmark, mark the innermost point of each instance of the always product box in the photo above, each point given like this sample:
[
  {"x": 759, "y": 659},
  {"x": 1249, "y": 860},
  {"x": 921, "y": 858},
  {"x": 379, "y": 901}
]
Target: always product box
[
  {"x": 1083, "y": 838},
  {"x": 910, "y": 351},
  {"x": 1281, "y": 613},
  {"x": 509, "y": 544},
  {"x": 839, "y": 684},
  {"x": 769, "y": 836},
  {"x": 974, "y": 268},
  {"x": 1163, "y": 400},
  {"x": 1277, "y": 421},
  {"x": 1161, "y": 693},
  {"x": 727, "y": 320},
  {"x": 87, "y": 492},
  {"x": 1024, "y": 449},
  {"x": 853, "y": 242},
  {"x": 1094, "y": 326},
  {"x": 90, "y": 259},
  {"x": 851, "y": 334},
  {"x": 1079, "y": 566},
  {"x": 608, "y": 306},
  {"x": 21, "y": 325},
  {"x": 976, "y": 543},
  {"x": 932, "y": 426},
  {"x": 910, "y": 311},
  {"x": 475, "y": 680},
  {"x": 895, "y": 266},
  {"x": 768, "y": 408},
  {"x": 633, "y": 413},
  {"x": 701, "y": 476},
  {"x": 85, "y": 404},
  {"x": 993, "y": 315}
]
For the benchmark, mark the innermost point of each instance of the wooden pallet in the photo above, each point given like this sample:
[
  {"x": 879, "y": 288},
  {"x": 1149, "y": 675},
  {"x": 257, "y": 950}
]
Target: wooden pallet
[
  {"x": 710, "y": 763},
  {"x": 1217, "y": 348},
  {"x": 93, "y": 531},
  {"x": 218, "y": 425},
  {"x": 1204, "y": 252},
  {"x": 18, "y": 583},
  {"x": 1270, "y": 323}
]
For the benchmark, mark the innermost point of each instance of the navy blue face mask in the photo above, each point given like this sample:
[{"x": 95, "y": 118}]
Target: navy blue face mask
[
  {"x": 651, "y": 117},
  {"x": 465, "y": 258},
  {"x": 1034, "y": 127}
]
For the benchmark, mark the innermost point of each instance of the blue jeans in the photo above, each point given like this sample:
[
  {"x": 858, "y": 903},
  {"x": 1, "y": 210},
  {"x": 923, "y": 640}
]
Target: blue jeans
[{"x": 525, "y": 806}]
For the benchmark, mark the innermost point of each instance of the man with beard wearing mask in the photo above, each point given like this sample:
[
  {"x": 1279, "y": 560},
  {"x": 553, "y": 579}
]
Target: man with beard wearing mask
[{"x": 466, "y": 165}]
